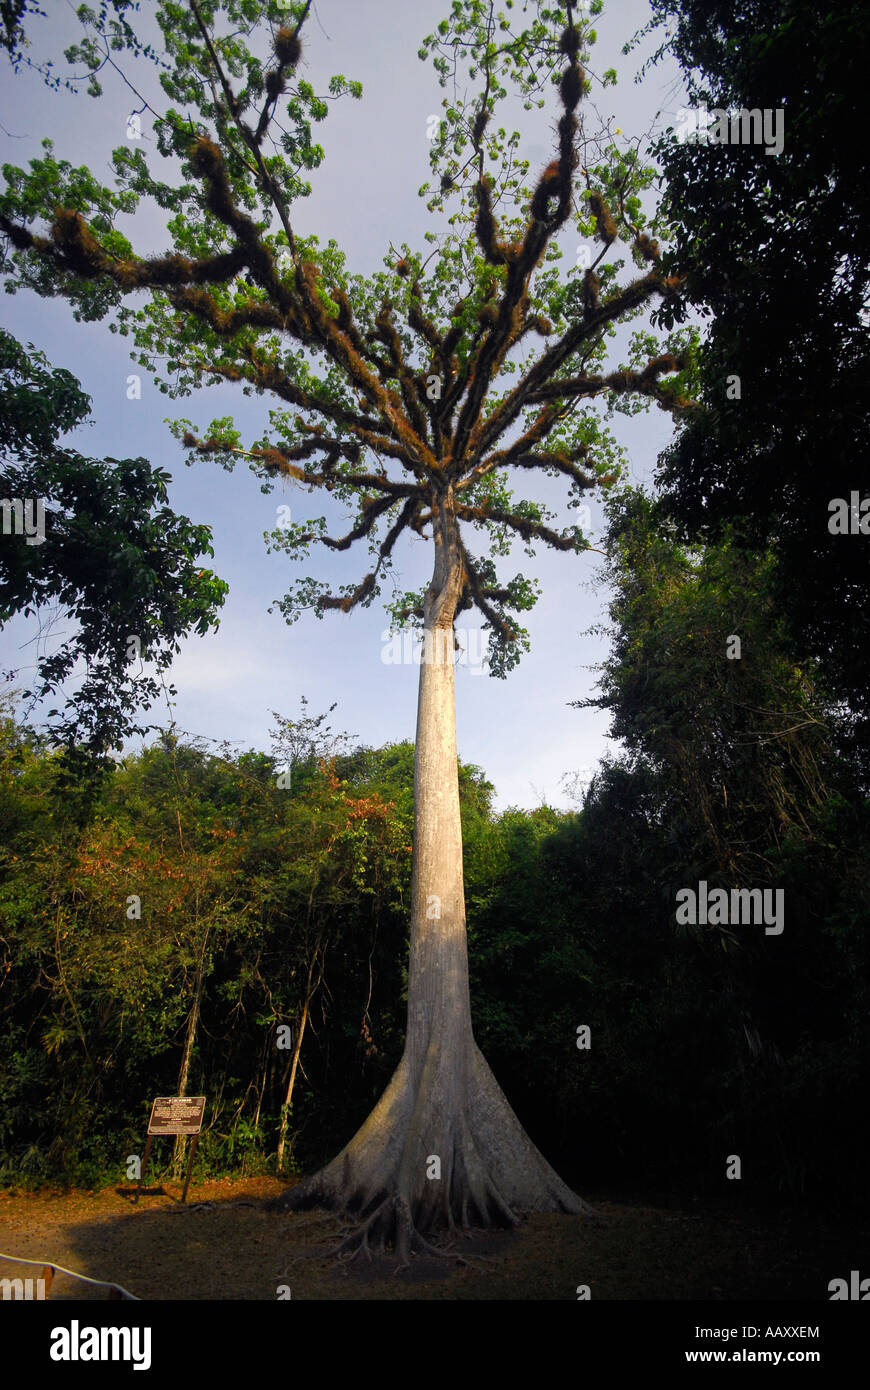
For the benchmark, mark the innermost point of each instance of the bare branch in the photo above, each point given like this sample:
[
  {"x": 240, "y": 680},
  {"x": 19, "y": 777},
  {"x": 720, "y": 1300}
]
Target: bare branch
[
  {"x": 478, "y": 593},
  {"x": 367, "y": 585},
  {"x": 631, "y": 297},
  {"x": 644, "y": 383},
  {"x": 527, "y": 528}
]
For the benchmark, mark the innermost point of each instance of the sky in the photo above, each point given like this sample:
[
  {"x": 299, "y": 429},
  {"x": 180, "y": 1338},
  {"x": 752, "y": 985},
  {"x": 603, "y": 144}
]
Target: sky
[{"x": 522, "y": 731}]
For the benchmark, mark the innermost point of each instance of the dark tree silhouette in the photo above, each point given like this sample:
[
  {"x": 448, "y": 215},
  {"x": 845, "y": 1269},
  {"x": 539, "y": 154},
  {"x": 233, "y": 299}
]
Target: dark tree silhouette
[{"x": 774, "y": 451}]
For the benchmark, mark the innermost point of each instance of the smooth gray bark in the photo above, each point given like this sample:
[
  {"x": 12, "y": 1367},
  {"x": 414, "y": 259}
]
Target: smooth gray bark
[{"x": 442, "y": 1102}]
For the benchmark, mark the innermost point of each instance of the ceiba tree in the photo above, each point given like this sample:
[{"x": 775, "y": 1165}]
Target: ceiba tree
[{"x": 414, "y": 395}]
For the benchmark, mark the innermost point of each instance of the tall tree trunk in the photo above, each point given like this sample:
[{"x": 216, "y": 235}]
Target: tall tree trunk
[
  {"x": 442, "y": 1147},
  {"x": 179, "y": 1148},
  {"x": 310, "y": 991}
]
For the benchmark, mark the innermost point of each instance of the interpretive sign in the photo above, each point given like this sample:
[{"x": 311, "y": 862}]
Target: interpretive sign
[{"x": 177, "y": 1115}]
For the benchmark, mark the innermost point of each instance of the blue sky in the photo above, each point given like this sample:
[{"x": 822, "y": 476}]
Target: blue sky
[{"x": 521, "y": 730}]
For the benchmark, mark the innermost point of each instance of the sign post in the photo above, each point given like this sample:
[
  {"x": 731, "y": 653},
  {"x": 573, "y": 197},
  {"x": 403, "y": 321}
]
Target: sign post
[{"x": 173, "y": 1115}]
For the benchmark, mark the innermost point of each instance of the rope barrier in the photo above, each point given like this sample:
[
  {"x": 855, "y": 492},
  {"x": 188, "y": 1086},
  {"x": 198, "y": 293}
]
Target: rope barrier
[{"x": 59, "y": 1269}]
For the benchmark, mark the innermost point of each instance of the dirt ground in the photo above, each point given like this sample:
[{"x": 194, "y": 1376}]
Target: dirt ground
[{"x": 224, "y": 1245}]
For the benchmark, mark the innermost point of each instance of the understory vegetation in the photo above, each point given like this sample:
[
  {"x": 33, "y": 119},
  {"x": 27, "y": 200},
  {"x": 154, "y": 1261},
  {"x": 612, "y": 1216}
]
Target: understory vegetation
[{"x": 235, "y": 925}]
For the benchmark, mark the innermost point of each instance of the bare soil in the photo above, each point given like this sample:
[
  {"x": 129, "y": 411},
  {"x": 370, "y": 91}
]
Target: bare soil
[{"x": 223, "y": 1244}]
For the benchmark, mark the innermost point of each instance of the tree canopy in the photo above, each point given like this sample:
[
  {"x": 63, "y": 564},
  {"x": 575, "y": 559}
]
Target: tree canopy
[{"x": 424, "y": 380}]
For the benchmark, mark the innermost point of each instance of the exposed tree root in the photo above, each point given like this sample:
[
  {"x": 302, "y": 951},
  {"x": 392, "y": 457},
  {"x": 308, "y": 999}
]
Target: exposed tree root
[
  {"x": 389, "y": 1224},
  {"x": 442, "y": 1104},
  {"x": 329, "y": 1218},
  {"x": 213, "y": 1206}
]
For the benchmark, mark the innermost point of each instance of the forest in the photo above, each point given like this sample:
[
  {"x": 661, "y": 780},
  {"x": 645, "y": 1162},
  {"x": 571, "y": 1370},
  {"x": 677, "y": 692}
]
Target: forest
[
  {"x": 364, "y": 961},
  {"x": 264, "y": 905}
]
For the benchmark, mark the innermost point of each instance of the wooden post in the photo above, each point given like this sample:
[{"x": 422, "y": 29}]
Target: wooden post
[
  {"x": 190, "y": 1166},
  {"x": 142, "y": 1169},
  {"x": 178, "y": 1115}
]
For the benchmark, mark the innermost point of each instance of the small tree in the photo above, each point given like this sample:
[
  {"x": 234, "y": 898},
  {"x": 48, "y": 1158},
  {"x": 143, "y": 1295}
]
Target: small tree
[
  {"x": 413, "y": 393},
  {"x": 104, "y": 550}
]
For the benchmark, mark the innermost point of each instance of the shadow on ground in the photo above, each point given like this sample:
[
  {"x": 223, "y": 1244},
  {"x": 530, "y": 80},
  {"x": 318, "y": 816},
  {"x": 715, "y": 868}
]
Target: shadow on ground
[{"x": 224, "y": 1245}]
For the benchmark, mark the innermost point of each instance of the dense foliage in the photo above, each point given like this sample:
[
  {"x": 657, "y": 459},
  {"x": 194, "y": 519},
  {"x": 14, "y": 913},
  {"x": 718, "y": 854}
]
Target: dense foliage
[
  {"x": 265, "y": 905},
  {"x": 776, "y": 253},
  {"x": 160, "y": 934},
  {"x": 91, "y": 545}
]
